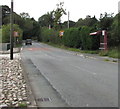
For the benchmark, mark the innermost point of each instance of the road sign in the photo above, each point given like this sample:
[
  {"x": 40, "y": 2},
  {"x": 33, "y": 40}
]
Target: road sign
[
  {"x": 61, "y": 33},
  {"x": 16, "y": 34}
]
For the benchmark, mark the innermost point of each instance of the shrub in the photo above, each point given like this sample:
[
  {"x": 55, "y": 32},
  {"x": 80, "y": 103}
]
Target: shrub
[
  {"x": 85, "y": 38},
  {"x": 71, "y": 38},
  {"x": 6, "y": 33},
  {"x": 50, "y": 35}
]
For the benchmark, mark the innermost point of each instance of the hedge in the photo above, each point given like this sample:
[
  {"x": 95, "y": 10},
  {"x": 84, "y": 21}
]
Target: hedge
[{"x": 6, "y": 33}]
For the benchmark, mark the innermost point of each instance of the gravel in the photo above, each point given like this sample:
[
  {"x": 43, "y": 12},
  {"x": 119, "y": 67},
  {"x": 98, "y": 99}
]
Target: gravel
[{"x": 13, "y": 90}]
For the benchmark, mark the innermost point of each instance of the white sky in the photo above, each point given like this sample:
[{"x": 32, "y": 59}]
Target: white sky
[{"x": 77, "y": 8}]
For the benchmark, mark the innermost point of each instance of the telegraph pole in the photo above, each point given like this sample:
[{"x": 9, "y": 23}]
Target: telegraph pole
[
  {"x": 68, "y": 20},
  {"x": 11, "y": 31}
]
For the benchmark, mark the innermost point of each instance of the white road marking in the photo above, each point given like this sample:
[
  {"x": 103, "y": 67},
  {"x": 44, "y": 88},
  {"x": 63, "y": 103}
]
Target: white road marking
[{"x": 93, "y": 73}]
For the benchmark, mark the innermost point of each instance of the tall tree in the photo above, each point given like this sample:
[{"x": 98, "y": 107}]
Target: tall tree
[
  {"x": 24, "y": 15},
  {"x": 106, "y": 21},
  {"x": 88, "y": 21},
  {"x": 58, "y": 14},
  {"x": 71, "y": 24},
  {"x": 5, "y": 12},
  {"x": 114, "y": 36},
  {"x": 46, "y": 20}
]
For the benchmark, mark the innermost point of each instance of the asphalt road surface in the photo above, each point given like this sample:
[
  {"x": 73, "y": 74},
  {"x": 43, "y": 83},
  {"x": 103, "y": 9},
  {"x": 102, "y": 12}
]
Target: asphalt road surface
[{"x": 79, "y": 81}]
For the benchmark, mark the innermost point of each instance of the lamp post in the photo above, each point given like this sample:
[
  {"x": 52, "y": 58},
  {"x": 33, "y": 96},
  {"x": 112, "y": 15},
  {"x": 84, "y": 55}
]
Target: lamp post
[
  {"x": 11, "y": 31},
  {"x": 68, "y": 19}
]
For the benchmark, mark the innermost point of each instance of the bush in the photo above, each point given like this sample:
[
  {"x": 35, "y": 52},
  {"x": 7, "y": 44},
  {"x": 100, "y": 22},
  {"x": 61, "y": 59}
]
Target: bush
[
  {"x": 85, "y": 38},
  {"x": 50, "y": 35},
  {"x": 71, "y": 38},
  {"x": 6, "y": 33}
]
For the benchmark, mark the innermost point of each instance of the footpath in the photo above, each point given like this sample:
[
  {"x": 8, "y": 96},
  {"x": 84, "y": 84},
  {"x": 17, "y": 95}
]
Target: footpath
[{"x": 13, "y": 87}]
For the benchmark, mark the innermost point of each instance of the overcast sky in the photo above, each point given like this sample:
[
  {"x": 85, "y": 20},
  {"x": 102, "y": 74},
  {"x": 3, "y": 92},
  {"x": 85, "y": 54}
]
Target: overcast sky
[{"x": 77, "y": 8}]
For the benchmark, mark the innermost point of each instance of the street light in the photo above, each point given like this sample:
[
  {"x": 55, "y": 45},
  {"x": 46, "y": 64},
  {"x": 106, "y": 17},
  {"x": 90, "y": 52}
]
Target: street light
[
  {"x": 68, "y": 19},
  {"x": 11, "y": 31}
]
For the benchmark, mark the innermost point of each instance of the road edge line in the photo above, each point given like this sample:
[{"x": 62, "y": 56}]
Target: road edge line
[{"x": 30, "y": 94}]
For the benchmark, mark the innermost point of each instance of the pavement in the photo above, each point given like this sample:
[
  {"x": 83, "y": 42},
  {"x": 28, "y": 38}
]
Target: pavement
[
  {"x": 64, "y": 78},
  {"x": 15, "y": 50}
]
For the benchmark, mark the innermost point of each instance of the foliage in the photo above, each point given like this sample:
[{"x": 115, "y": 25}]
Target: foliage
[
  {"x": 29, "y": 26},
  {"x": 71, "y": 38},
  {"x": 85, "y": 38},
  {"x": 5, "y": 12},
  {"x": 6, "y": 33},
  {"x": 105, "y": 21},
  {"x": 114, "y": 36},
  {"x": 112, "y": 52},
  {"x": 50, "y": 35},
  {"x": 71, "y": 24},
  {"x": 24, "y": 15},
  {"x": 88, "y": 21},
  {"x": 57, "y": 14},
  {"x": 46, "y": 20},
  {"x": 22, "y": 105}
]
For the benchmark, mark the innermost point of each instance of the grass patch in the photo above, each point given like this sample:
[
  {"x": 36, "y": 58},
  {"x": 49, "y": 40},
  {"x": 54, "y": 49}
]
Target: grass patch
[
  {"x": 90, "y": 51},
  {"x": 103, "y": 53},
  {"x": 22, "y": 105},
  {"x": 18, "y": 45},
  {"x": 106, "y": 60},
  {"x": 72, "y": 49},
  {"x": 114, "y": 60},
  {"x": 112, "y": 52}
]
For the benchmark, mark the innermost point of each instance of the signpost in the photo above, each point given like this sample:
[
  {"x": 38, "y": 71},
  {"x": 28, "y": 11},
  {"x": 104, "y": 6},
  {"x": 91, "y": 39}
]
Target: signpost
[
  {"x": 16, "y": 34},
  {"x": 11, "y": 31},
  {"x": 61, "y": 33}
]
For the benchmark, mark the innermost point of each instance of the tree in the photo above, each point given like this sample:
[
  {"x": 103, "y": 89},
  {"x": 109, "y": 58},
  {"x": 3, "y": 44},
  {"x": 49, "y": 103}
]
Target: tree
[
  {"x": 46, "y": 20},
  {"x": 65, "y": 24},
  {"x": 88, "y": 21},
  {"x": 24, "y": 15},
  {"x": 114, "y": 36},
  {"x": 106, "y": 21},
  {"x": 5, "y": 12},
  {"x": 35, "y": 30},
  {"x": 58, "y": 14},
  {"x": 6, "y": 33}
]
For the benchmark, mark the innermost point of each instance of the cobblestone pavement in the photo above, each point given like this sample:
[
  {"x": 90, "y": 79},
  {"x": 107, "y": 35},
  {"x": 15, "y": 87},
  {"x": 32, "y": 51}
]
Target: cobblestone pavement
[{"x": 13, "y": 91}]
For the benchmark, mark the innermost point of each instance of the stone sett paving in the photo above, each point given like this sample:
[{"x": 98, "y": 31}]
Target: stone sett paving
[{"x": 12, "y": 84}]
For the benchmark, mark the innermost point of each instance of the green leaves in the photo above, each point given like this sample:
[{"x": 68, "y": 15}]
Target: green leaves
[
  {"x": 72, "y": 38},
  {"x": 6, "y": 33}
]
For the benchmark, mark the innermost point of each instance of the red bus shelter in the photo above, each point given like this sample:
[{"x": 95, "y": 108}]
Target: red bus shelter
[{"x": 103, "y": 39}]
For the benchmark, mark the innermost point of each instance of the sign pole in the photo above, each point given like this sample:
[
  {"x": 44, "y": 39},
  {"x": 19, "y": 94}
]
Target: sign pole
[
  {"x": 11, "y": 32},
  {"x": 68, "y": 20}
]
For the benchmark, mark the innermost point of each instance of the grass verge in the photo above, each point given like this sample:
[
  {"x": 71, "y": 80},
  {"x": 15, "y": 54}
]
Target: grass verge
[{"x": 112, "y": 52}]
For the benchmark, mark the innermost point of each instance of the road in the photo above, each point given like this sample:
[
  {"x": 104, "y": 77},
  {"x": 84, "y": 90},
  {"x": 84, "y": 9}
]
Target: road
[{"x": 78, "y": 81}]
